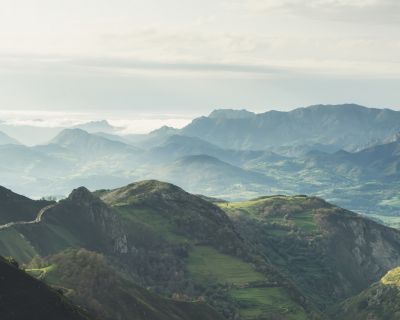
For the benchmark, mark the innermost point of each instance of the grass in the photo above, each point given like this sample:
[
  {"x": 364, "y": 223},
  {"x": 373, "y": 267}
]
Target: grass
[
  {"x": 207, "y": 264},
  {"x": 256, "y": 210},
  {"x": 392, "y": 278},
  {"x": 41, "y": 273},
  {"x": 152, "y": 220},
  {"x": 13, "y": 244},
  {"x": 267, "y": 302}
]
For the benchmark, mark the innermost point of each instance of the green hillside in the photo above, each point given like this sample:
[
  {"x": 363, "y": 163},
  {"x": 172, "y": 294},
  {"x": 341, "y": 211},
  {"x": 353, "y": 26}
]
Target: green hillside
[
  {"x": 219, "y": 265},
  {"x": 330, "y": 253},
  {"x": 274, "y": 257}
]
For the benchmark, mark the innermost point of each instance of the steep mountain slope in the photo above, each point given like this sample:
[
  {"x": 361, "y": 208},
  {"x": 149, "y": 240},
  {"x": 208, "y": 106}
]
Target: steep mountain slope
[
  {"x": 196, "y": 252},
  {"x": 331, "y": 253},
  {"x": 271, "y": 257},
  {"x": 379, "y": 302},
  {"x": 165, "y": 239},
  {"x": 6, "y": 139},
  {"x": 23, "y": 297},
  {"x": 84, "y": 221},
  {"x": 88, "y": 279},
  {"x": 344, "y": 125},
  {"x": 81, "y": 220}
]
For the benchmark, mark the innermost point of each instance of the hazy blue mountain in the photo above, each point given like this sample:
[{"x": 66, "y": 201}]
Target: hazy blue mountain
[
  {"x": 31, "y": 161},
  {"x": 96, "y": 126},
  {"x": 178, "y": 146},
  {"x": 346, "y": 126},
  {"x": 28, "y": 134},
  {"x": 208, "y": 175},
  {"x": 90, "y": 145},
  {"x": 231, "y": 114},
  {"x": 152, "y": 139},
  {"x": 6, "y": 139},
  {"x": 113, "y": 137},
  {"x": 380, "y": 161}
]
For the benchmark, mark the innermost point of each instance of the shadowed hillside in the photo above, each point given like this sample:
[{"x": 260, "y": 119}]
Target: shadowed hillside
[{"x": 23, "y": 297}]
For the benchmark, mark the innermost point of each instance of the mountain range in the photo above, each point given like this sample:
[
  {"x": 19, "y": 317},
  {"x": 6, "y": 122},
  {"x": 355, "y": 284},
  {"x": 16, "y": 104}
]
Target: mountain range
[
  {"x": 346, "y": 126},
  {"x": 236, "y": 155}
]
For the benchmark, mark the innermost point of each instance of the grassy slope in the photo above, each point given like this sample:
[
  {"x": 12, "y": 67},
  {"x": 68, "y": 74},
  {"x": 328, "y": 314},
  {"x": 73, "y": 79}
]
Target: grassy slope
[
  {"x": 284, "y": 229},
  {"x": 211, "y": 259},
  {"x": 318, "y": 245},
  {"x": 299, "y": 235},
  {"x": 256, "y": 296},
  {"x": 168, "y": 230}
]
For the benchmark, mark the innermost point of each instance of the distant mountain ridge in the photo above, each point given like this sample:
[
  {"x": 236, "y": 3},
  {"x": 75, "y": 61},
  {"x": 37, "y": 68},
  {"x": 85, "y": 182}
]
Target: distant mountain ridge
[
  {"x": 82, "y": 142},
  {"x": 345, "y": 125},
  {"x": 96, "y": 126},
  {"x": 6, "y": 139}
]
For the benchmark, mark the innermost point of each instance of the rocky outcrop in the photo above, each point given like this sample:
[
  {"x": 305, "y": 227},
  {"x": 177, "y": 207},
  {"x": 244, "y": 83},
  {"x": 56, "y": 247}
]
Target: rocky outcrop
[
  {"x": 361, "y": 250},
  {"x": 102, "y": 217}
]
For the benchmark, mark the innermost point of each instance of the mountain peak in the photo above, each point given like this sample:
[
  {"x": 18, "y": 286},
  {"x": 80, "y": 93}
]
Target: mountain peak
[
  {"x": 143, "y": 189},
  {"x": 81, "y": 195},
  {"x": 231, "y": 114},
  {"x": 96, "y": 126},
  {"x": 68, "y": 134},
  {"x": 164, "y": 130}
]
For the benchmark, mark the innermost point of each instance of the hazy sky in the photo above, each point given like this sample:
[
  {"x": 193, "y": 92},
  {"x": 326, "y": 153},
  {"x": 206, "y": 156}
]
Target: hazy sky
[{"x": 188, "y": 57}]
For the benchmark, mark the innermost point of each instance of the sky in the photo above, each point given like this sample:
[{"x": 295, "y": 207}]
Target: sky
[{"x": 175, "y": 59}]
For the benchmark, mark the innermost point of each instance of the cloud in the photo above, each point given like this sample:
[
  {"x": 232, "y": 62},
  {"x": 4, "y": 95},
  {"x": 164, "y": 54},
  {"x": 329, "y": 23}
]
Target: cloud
[
  {"x": 134, "y": 64},
  {"x": 368, "y": 11},
  {"x": 127, "y": 123}
]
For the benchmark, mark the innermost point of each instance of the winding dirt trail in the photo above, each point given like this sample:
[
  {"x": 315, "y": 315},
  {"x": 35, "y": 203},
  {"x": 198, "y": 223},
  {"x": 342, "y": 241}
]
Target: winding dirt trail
[{"x": 37, "y": 220}]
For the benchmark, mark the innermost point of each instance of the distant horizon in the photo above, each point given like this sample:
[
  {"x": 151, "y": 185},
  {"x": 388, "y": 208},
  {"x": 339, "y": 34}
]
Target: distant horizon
[{"x": 130, "y": 122}]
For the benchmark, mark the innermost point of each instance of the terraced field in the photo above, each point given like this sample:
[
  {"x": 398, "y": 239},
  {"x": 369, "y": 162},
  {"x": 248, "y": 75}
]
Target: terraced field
[{"x": 254, "y": 294}]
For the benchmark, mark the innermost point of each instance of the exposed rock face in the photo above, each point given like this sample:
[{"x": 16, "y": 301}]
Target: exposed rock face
[
  {"x": 85, "y": 211},
  {"x": 102, "y": 216},
  {"x": 192, "y": 215},
  {"x": 364, "y": 250}
]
